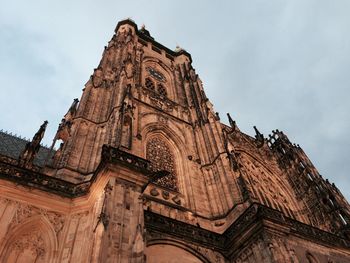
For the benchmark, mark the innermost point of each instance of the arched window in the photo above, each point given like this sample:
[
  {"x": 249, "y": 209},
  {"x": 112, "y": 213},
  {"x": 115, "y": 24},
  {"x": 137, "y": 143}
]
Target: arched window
[
  {"x": 149, "y": 84},
  {"x": 162, "y": 90},
  {"x": 161, "y": 158}
]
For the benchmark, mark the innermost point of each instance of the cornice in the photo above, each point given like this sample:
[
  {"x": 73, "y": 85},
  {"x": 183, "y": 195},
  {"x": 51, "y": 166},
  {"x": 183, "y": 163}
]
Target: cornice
[
  {"x": 257, "y": 217},
  {"x": 11, "y": 171}
]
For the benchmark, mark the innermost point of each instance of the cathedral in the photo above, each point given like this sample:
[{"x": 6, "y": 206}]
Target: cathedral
[{"x": 142, "y": 169}]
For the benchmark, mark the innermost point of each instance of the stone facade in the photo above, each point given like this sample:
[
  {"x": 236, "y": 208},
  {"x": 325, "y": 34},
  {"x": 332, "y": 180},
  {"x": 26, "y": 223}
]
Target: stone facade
[{"x": 146, "y": 172}]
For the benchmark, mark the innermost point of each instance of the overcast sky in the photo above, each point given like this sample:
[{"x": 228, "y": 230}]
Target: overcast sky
[{"x": 273, "y": 63}]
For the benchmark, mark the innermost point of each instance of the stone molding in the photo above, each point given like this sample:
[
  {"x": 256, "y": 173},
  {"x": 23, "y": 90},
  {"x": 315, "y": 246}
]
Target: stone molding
[
  {"x": 254, "y": 215},
  {"x": 27, "y": 177}
]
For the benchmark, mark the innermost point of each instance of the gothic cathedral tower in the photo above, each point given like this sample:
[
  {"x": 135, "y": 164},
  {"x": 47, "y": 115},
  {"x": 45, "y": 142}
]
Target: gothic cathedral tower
[{"x": 146, "y": 172}]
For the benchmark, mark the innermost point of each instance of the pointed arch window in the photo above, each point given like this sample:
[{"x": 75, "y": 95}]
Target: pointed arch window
[
  {"x": 162, "y": 158},
  {"x": 149, "y": 84},
  {"x": 155, "y": 85},
  {"x": 161, "y": 90}
]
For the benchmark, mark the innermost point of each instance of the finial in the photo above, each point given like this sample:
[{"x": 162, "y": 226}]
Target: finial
[
  {"x": 232, "y": 122},
  {"x": 258, "y": 134},
  {"x": 39, "y": 134},
  {"x": 143, "y": 27},
  {"x": 259, "y": 137},
  {"x": 26, "y": 158}
]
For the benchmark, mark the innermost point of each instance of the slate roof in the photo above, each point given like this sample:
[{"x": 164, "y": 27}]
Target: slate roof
[{"x": 12, "y": 146}]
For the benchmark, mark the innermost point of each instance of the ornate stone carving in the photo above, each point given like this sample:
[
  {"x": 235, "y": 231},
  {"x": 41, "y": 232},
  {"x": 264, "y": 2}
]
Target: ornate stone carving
[
  {"x": 56, "y": 220},
  {"x": 32, "y": 241},
  {"x": 222, "y": 242},
  {"x": 165, "y": 195},
  {"x": 176, "y": 200},
  {"x": 162, "y": 119},
  {"x": 164, "y": 225},
  {"x": 161, "y": 158},
  {"x": 156, "y": 101},
  {"x": 31, "y": 149},
  {"x": 154, "y": 192},
  {"x": 111, "y": 154},
  {"x": 24, "y": 211},
  {"x": 36, "y": 179}
]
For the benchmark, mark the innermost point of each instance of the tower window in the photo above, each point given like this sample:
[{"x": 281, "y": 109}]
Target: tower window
[
  {"x": 162, "y": 90},
  {"x": 161, "y": 158},
  {"x": 149, "y": 84}
]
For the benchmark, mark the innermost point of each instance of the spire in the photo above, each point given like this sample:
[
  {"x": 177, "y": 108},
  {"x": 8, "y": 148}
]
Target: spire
[
  {"x": 260, "y": 140},
  {"x": 31, "y": 149},
  {"x": 39, "y": 135},
  {"x": 232, "y": 122}
]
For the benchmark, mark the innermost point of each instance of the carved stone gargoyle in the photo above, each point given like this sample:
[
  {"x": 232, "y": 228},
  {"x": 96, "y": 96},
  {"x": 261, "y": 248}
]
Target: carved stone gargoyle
[{"x": 27, "y": 156}]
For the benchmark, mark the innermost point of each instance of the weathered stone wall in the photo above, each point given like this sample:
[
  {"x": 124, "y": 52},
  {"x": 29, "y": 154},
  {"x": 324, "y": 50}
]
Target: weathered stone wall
[
  {"x": 105, "y": 224},
  {"x": 34, "y": 232},
  {"x": 122, "y": 240}
]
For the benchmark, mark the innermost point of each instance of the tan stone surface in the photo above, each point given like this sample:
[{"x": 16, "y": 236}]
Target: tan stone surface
[{"x": 169, "y": 254}]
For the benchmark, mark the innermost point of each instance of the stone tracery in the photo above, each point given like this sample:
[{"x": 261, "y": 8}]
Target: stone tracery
[
  {"x": 161, "y": 158},
  {"x": 33, "y": 242},
  {"x": 161, "y": 90},
  {"x": 149, "y": 84},
  {"x": 269, "y": 189}
]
